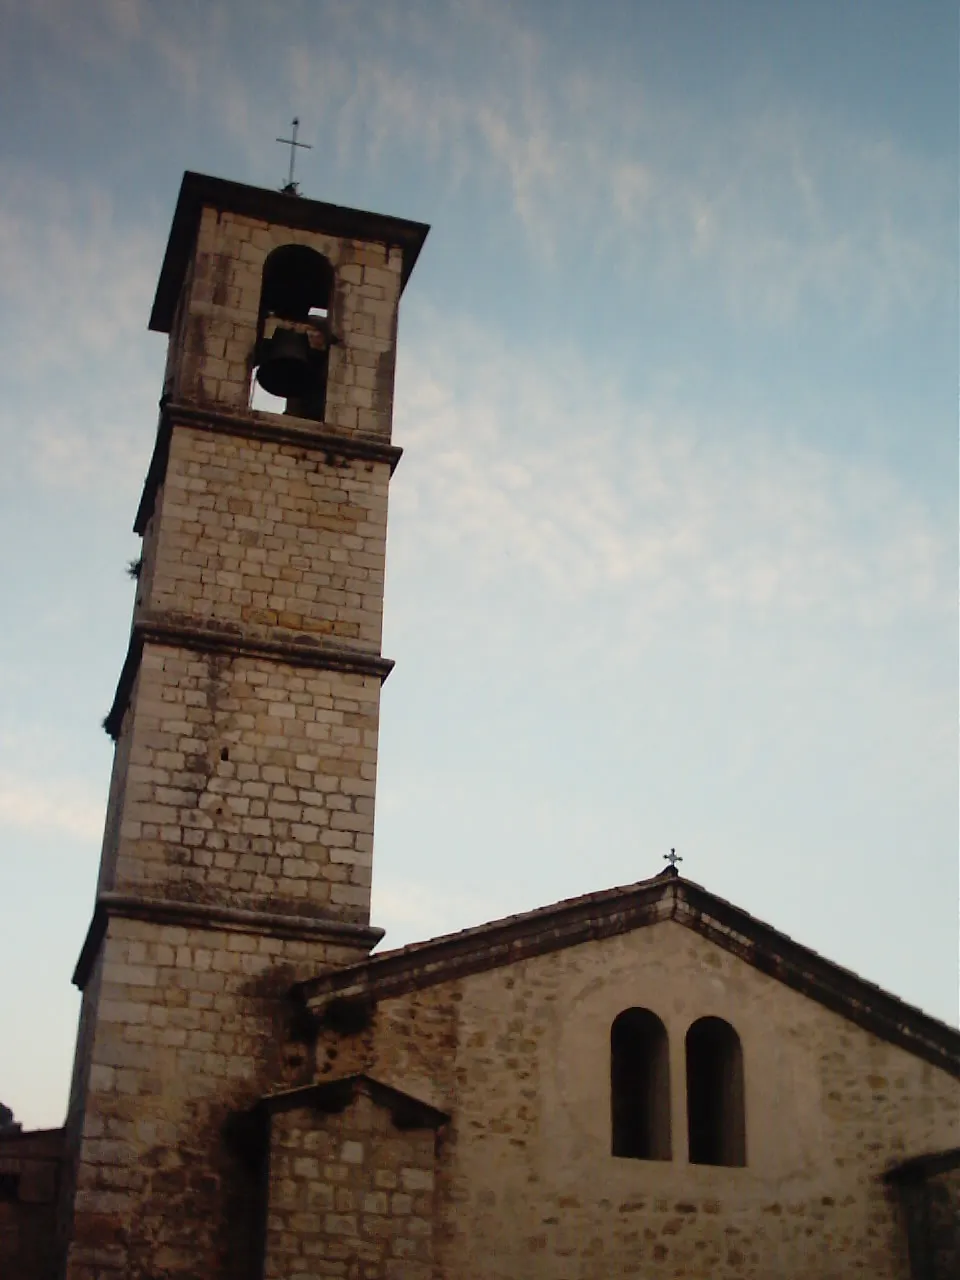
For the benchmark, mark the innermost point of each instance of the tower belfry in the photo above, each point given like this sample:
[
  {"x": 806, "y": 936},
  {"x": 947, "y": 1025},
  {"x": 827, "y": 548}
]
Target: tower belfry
[{"x": 239, "y": 834}]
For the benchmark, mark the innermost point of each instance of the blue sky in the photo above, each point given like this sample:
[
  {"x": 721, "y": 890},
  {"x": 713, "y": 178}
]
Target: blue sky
[{"x": 672, "y": 555}]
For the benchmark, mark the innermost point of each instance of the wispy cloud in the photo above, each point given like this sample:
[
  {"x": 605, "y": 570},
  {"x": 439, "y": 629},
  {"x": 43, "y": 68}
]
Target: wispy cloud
[
  {"x": 530, "y": 464},
  {"x": 775, "y": 206},
  {"x": 77, "y": 279},
  {"x": 79, "y": 283},
  {"x": 58, "y": 806},
  {"x": 778, "y": 207},
  {"x": 95, "y": 32}
]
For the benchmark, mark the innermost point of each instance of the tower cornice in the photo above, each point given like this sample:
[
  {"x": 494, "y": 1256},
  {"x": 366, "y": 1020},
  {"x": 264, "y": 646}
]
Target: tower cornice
[
  {"x": 200, "y": 915},
  {"x": 199, "y": 191},
  {"x": 201, "y": 636},
  {"x": 255, "y": 425}
]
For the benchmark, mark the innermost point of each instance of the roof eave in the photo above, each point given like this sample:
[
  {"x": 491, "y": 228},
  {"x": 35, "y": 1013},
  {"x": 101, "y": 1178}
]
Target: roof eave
[
  {"x": 617, "y": 911},
  {"x": 199, "y": 191}
]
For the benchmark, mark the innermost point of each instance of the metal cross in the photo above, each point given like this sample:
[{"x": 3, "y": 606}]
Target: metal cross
[
  {"x": 291, "y": 188},
  {"x": 673, "y": 858}
]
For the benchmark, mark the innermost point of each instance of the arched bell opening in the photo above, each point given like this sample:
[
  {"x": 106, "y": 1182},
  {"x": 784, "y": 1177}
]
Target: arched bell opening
[
  {"x": 294, "y": 331},
  {"x": 640, "y": 1086},
  {"x": 715, "y": 1098}
]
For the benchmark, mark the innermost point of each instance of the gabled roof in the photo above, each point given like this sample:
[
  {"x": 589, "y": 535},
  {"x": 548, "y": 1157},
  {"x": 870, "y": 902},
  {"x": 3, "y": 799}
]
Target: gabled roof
[
  {"x": 334, "y": 1096},
  {"x": 667, "y": 896},
  {"x": 919, "y": 1169}
]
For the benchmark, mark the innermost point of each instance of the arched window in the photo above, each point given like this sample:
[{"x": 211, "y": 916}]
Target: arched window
[
  {"x": 715, "y": 1111},
  {"x": 293, "y": 329},
  {"x": 296, "y": 281},
  {"x": 640, "y": 1086}
]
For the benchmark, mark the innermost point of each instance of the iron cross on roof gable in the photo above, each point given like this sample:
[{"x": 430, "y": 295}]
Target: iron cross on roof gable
[
  {"x": 673, "y": 858},
  {"x": 290, "y": 188}
]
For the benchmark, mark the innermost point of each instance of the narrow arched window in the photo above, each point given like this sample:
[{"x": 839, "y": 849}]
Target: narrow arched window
[
  {"x": 294, "y": 329},
  {"x": 640, "y": 1086},
  {"x": 715, "y": 1110}
]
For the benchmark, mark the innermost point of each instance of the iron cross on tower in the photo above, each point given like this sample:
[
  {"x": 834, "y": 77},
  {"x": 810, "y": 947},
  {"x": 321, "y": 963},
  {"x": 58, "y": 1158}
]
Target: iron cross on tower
[{"x": 290, "y": 188}]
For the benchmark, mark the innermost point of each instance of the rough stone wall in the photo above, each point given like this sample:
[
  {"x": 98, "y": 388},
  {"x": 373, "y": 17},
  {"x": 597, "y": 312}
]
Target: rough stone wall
[
  {"x": 220, "y": 322},
  {"x": 943, "y": 1199},
  {"x": 250, "y": 783},
  {"x": 527, "y": 1184},
  {"x": 271, "y": 537},
  {"x": 73, "y": 1129},
  {"x": 29, "y": 1175},
  {"x": 191, "y": 1026},
  {"x": 171, "y": 372},
  {"x": 244, "y": 777},
  {"x": 350, "y": 1195}
]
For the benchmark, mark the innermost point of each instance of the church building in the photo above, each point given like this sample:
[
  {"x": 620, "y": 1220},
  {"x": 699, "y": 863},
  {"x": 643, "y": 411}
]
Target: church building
[{"x": 643, "y": 1082}]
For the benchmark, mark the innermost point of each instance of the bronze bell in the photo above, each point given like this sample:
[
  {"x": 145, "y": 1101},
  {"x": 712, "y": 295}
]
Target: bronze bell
[{"x": 286, "y": 368}]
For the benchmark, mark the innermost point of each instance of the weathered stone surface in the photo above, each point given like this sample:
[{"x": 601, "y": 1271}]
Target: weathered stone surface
[
  {"x": 30, "y": 1165},
  {"x": 247, "y": 782},
  {"x": 943, "y": 1192},
  {"x": 268, "y": 537},
  {"x": 446, "y": 1113},
  {"x": 349, "y": 1195},
  {"x": 212, "y": 355},
  {"x": 239, "y": 835},
  {"x": 188, "y": 1028},
  {"x": 527, "y": 1185}
]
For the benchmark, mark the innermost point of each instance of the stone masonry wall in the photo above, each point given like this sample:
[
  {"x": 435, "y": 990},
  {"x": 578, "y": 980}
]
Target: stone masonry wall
[
  {"x": 220, "y": 324},
  {"x": 271, "y": 537},
  {"x": 190, "y": 1027},
  {"x": 943, "y": 1200},
  {"x": 527, "y": 1185},
  {"x": 244, "y": 777},
  {"x": 29, "y": 1175},
  {"x": 250, "y": 783},
  {"x": 350, "y": 1196},
  {"x": 73, "y": 1128}
]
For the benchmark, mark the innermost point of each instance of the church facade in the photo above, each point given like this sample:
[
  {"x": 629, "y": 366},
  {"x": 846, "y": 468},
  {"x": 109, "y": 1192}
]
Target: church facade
[{"x": 643, "y": 1082}]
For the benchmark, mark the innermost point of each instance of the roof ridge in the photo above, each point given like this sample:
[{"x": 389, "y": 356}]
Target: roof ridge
[
  {"x": 576, "y": 901},
  {"x": 621, "y": 909}
]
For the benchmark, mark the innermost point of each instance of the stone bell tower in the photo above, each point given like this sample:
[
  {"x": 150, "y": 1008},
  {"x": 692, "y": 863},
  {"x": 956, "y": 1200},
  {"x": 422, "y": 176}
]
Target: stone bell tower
[{"x": 239, "y": 833}]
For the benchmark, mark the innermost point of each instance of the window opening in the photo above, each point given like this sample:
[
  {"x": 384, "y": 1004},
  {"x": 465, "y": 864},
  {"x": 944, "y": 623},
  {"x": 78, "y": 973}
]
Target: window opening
[
  {"x": 715, "y": 1101},
  {"x": 640, "y": 1086},
  {"x": 294, "y": 333}
]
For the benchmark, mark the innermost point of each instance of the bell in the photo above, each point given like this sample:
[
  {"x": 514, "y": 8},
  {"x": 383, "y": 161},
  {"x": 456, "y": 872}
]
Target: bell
[{"x": 285, "y": 365}]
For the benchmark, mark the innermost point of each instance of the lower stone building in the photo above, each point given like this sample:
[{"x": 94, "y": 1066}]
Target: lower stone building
[
  {"x": 644, "y": 1082},
  {"x": 30, "y": 1167}
]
